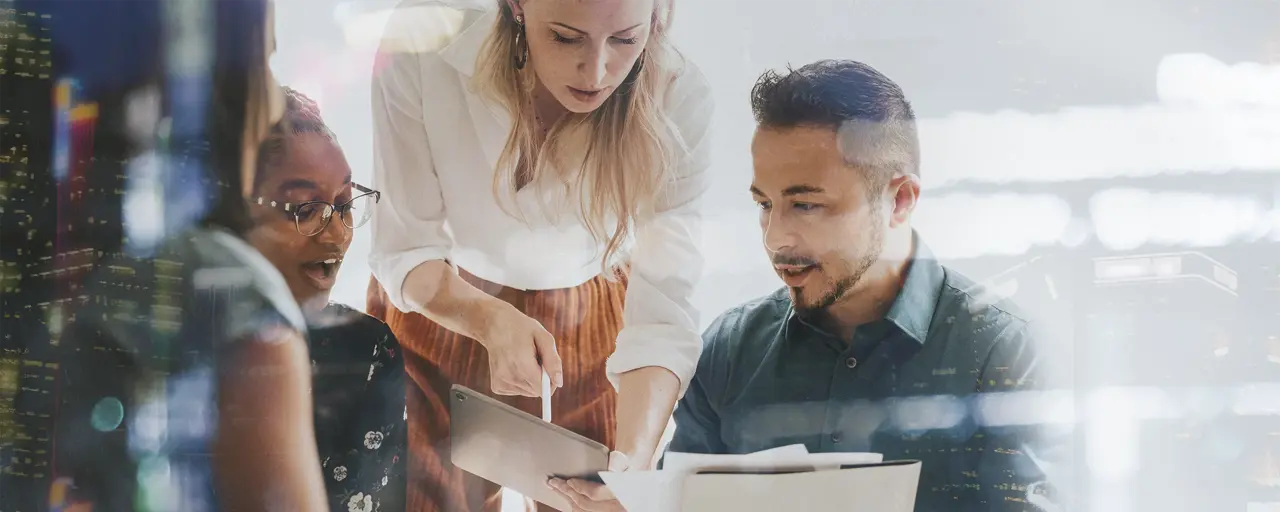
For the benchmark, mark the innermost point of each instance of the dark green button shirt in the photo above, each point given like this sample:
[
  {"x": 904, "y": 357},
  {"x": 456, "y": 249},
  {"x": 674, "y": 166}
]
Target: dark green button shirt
[{"x": 914, "y": 385}]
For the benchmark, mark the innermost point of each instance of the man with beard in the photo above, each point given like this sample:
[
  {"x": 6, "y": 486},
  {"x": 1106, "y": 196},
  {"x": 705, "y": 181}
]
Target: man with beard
[{"x": 872, "y": 345}]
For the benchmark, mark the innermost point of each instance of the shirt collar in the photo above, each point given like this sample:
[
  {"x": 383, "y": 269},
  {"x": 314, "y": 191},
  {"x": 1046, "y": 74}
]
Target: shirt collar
[
  {"x": 269, "y": 280},
  {"x": 912, "y": 310},
  {"x": 463, "y": 51}
]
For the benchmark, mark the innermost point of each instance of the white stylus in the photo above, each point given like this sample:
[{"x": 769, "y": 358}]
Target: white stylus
[{"x": 546, "y": 397}]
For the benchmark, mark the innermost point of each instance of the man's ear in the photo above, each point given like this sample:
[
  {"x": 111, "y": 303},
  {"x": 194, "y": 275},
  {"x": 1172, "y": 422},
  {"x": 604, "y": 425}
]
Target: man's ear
[{"x": 904, "y": 191}]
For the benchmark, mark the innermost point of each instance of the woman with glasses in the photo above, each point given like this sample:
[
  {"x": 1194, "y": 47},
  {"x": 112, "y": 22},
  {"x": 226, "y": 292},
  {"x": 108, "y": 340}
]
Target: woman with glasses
[
  {"x": 307, "y": 208},
  {"x": 308, "y": 191}
]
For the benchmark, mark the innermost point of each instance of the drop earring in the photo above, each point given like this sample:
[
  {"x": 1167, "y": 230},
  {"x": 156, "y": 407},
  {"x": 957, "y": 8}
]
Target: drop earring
[{"x": 522, "y": 47}]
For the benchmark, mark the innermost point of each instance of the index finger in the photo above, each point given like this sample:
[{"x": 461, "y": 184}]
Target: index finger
[
  {"x": 579, "y": 500},
  {"x": 592, "y": 490},
  {"x": 549, "y": 357},
  {"x": 529, "y": 378}
]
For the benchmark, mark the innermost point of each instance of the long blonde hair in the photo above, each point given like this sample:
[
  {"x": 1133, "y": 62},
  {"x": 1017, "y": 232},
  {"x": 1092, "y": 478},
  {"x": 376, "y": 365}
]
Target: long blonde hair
[{"x": 629, "y": 143}]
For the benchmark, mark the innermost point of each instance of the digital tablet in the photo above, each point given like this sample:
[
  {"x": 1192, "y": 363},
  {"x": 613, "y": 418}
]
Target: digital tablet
[{"x": 517, "y": 450}]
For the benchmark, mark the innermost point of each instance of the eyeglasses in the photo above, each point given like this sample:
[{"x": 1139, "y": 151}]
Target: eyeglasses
[{"x": 312, "y": 217}]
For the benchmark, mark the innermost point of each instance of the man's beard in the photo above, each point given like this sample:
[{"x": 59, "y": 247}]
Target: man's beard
[{"x": 844, "y": 284}]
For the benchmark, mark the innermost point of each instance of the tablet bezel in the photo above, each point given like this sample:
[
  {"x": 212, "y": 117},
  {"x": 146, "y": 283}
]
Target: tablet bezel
[{"x": 473, "y": 413}]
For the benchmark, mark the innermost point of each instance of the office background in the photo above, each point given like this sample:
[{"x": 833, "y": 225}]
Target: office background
[{"x": 1112, "y": 166}]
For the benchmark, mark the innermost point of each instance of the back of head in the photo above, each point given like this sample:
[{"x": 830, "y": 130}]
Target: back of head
[
  {"x": 169, "y": 75},
  {"x": 164, "y": 77},
  {"x": 870, "y": 113}
]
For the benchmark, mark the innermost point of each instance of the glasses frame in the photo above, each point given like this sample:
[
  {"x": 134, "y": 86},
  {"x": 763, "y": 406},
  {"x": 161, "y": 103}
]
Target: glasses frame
[{"x": 330, "y": 209}]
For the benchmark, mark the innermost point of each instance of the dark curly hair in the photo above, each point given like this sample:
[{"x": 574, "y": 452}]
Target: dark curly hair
[{"x": 301, "y": 115}]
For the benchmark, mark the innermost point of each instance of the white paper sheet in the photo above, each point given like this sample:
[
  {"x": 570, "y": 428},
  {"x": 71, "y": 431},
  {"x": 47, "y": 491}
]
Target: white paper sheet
[
  {"x": 645, "y": 491},
  {"x": 877, "y": 488},
  {"x": 690, "y": 462},
  {"x": 661, "y": 490}
]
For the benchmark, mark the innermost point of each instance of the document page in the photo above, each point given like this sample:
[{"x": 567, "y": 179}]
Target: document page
[
  {"x": 661, "y": 490},
  {"x": 880, "y": 488}
]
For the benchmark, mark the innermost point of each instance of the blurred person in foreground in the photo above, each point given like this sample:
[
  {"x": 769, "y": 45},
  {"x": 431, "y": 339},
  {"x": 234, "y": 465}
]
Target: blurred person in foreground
[
  {"x": 307, "y": 207},
  {"x": 542, "y": 164},
  {"x": 185, "y": 380},
  {"x": 872, "y": 345}
]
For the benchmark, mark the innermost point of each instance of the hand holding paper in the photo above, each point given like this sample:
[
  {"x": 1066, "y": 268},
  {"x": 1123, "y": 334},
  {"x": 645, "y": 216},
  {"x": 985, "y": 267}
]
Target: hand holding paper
[{"x": 662, "y": 490}]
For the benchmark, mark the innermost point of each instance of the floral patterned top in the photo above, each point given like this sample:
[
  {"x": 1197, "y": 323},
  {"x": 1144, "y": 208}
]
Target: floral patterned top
[{"x": 358, "y": 387}]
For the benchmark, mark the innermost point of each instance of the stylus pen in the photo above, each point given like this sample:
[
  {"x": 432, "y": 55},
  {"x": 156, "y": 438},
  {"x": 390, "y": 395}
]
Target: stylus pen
[{"x": 546, "y": 397}]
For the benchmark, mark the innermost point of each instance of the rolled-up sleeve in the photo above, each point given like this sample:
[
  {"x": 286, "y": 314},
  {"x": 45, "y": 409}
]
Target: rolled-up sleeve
[
  {"x": 660, "y": 322},
  {"x": 409, "y": 222}
]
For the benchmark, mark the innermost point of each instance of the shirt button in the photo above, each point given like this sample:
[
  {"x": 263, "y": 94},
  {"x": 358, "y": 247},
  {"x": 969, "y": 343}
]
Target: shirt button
[
  {"x": 851, "y": 362},
  {"x": 835, "y": 438}
]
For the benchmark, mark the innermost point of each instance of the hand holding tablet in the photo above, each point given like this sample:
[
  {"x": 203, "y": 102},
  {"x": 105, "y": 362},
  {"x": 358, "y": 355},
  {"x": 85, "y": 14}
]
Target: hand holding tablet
[
  {"x": 593, "y": 495},
  {"x": 517, "y": 450}
]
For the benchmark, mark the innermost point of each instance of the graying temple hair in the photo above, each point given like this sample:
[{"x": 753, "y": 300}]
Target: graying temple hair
[{"x": 883, "y": 148}]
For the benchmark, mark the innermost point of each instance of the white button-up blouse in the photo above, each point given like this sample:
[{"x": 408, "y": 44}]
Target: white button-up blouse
[{"x": 436, "y": 146}]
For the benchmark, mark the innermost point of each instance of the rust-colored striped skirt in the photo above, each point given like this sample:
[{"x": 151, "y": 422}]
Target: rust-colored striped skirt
[{"x": 585, "y": 321}]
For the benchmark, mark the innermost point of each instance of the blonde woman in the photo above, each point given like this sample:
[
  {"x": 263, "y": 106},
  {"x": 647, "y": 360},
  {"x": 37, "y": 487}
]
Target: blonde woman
[{"x": 541, "y": 166}]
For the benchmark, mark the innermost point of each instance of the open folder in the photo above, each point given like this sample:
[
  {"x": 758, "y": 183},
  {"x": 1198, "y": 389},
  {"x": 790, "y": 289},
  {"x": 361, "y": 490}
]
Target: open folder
[
  {"x": 788, "y": 475},
  {"x": 879, "y": 487}
]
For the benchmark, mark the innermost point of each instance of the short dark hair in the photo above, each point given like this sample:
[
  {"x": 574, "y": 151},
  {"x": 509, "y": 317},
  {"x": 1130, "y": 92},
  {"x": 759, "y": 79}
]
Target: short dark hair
[
  {"x": 874, "y": 120},
  {"x": 301, "y": 115}
]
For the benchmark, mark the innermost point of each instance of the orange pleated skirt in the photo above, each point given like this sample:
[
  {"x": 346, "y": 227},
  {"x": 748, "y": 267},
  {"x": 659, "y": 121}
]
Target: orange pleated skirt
[{"x": 585, "y": 321}]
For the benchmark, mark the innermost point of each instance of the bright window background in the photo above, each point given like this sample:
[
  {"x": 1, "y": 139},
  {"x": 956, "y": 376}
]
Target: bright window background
[
  {"x": 1199, "y": 114},
  {"x": 1029, "y": 93}
]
